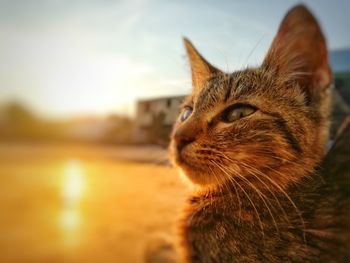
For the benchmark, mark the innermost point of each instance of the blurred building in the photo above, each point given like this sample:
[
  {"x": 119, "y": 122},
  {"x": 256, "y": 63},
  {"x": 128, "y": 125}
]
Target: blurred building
[
  {"x": 340, "y": 63},
  {"x": 155, "y": 117}
]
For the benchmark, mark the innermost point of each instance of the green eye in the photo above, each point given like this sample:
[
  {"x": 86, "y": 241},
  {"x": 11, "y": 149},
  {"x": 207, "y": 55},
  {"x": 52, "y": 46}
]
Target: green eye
[
  {"x": 186, "y": 113},
  {"x": 236, "y": 112}
]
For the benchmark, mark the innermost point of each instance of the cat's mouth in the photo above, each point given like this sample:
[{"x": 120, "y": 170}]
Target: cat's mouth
[
  {"x": 186, "y": 160},
  {"x": 182, "y": 159}
]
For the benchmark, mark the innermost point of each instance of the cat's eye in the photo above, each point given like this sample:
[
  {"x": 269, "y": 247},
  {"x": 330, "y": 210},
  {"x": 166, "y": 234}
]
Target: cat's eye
[
  {"x": 186, "y": 113},
  {"x": 237, "y": 111}
]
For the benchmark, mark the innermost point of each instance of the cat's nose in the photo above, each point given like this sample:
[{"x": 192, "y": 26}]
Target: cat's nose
[{"x": 187, "y": 133}]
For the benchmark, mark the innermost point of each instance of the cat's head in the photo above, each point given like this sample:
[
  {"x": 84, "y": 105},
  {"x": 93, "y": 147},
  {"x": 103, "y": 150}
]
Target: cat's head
[{"x": 266, "y": 124}]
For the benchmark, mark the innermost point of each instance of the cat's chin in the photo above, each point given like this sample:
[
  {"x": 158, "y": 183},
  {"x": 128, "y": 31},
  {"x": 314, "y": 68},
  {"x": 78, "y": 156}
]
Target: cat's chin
[{"x": 198, "y": 177}]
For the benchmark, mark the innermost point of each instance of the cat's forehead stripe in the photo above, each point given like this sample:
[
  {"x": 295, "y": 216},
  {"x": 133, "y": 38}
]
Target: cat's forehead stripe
[
  {"x": 212, "y": 93},
  {"x": 235, "y": 85},
  {"x": 221, "y": 89}
]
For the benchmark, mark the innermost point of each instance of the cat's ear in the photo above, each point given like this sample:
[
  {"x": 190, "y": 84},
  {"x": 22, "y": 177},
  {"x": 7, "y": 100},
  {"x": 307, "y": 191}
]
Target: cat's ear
[
  {"x": 201, "y": 69},
  {"x": 299, "y": 52}
]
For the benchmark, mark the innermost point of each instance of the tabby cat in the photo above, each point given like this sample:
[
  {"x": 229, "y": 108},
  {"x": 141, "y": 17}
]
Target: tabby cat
[{"x": 252, "y": 143}]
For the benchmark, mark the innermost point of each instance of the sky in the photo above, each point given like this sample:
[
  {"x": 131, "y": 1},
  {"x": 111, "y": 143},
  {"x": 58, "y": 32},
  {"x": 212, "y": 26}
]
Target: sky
[{"x": 63, "y": 58}]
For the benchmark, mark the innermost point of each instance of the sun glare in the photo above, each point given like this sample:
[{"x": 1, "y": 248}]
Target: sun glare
[
  {"x": 70, "y": 219},
  {"x": 74, "y": 183},
  {"x": 73, "y": 187},
  {"x": 99, "y": 84}
]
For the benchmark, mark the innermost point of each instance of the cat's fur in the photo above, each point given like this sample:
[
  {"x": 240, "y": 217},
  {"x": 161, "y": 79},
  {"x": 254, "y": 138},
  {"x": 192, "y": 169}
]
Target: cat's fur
[{"x": 262, "y": 197}]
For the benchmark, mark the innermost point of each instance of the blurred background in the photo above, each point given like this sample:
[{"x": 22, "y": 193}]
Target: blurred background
[{"x": 89, "y": 91}]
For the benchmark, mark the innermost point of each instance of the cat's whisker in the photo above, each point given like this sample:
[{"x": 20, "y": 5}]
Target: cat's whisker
[
  {"x": 253, "y": 49},
  {"x": 268, "y": 188},
  {"x": 272, "y": 192},
  {"x": 300, "y": 164},
  {"x": 238, "y": 197},
  {"x": 216, "y": 178},
  {"x": 283, "y": 192},
  {"x": 247, "y": 195},
  {"x": 272, "y": 154},
  {"x": 261, "y": 196},
  {"x": 289, "y": 199}
]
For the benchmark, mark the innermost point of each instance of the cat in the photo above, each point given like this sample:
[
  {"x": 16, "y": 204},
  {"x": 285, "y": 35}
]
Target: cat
[{"x": 252, "y": 142}]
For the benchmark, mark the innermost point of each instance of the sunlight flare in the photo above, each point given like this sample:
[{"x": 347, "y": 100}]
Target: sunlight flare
[
  {"x": 74, "y": 182},
  {"x": 73, "y": 188}
]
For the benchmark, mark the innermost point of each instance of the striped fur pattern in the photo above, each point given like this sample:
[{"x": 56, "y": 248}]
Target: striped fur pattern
[{"x": 251, "y": 202}]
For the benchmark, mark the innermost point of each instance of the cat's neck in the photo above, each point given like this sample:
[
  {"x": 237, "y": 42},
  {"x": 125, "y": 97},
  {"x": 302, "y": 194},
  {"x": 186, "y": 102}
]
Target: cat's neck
[{"x": 250, "y": 195}]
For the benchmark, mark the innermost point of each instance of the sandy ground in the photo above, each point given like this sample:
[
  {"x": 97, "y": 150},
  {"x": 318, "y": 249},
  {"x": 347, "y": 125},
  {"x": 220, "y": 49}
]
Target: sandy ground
[{"x": 84, "y": 203}]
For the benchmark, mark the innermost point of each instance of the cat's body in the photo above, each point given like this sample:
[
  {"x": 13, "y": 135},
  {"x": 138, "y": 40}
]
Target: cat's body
[
  {"x": 253, "y": 141},
  {"x": 222, "y": 227}
]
